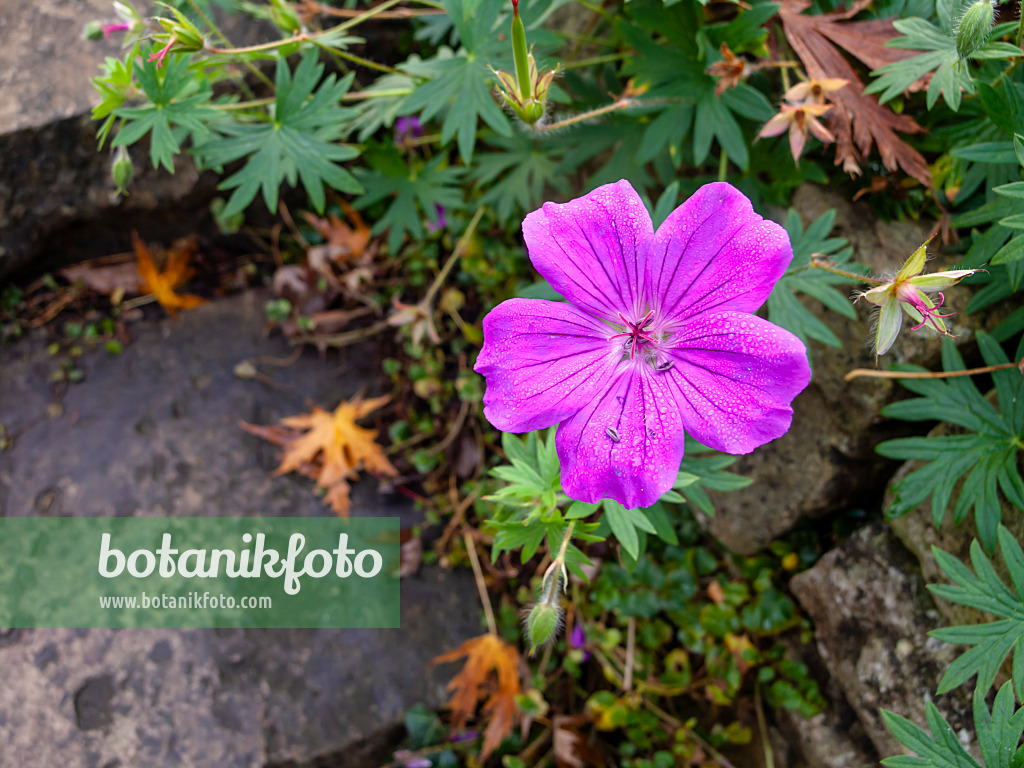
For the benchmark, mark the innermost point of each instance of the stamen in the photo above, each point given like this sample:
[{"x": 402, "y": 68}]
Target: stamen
[{"x": 613, "y": 434}]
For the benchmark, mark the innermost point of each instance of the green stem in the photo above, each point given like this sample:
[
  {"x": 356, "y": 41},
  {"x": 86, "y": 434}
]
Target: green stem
[
  {"x": 723, "y": 166},
  {"x": 358, "y": 59},
  {"x": 304, "y": 37},
  {"x": 246, "y": 104},
  {"x": 384, "y": 93},
  {"x": 1020, "y": 26},
  {"x": 816, "y": 264},
  {"x": 460, "y": 248},
  {"x": 594, "y": 60},
  {"x": 620, "y": 104}
]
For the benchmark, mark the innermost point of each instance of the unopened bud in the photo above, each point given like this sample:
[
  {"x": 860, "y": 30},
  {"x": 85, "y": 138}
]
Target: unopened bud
[
  {"x": 284, "y": 16},
  {"x": 542, "y": 623},
  {"x": 974, "y": 28},
  {"x": 92, "y": 31},
  {"x": 122, "y": 170}
]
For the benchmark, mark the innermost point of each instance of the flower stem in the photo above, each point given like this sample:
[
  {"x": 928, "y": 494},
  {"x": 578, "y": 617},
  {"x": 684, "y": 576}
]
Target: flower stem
[
  {"x": 723, "y": 165},
  {"x": 858, "y": 372},
  {"x": 460, "y": 248},
  {"x": 306, "y": 37},
  {"x": 608, "y": 57},
  {"x": 820, "y": 264},
  {"x": 613, "y": 107},
  {"x": 360, "y": 60},
  {"x": 384, "y": 93},
  {"x": 474, "y": 560}
]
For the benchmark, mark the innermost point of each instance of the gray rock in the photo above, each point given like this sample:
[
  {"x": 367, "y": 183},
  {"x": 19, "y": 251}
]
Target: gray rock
[
  {"x": 57, "y": 197},
  {"x": 154, "y": 432},
  {"x": 871, "y": 614}
]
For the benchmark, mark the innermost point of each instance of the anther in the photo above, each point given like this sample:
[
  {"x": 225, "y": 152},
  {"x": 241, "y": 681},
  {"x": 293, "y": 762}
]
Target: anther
[{"x": 613, "y": 434}]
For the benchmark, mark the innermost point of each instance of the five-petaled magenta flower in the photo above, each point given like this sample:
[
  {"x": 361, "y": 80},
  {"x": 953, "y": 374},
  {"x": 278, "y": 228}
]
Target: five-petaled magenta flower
[{"x": 657, "y": 339}]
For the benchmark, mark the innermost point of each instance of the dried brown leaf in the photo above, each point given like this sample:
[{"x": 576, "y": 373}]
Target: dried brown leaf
[
  {"x": 858, "y": 120},
  {"x": 176, "y": 271},
  {"x": 485, "y": 654},
  {"x": 329, "y": 448}
]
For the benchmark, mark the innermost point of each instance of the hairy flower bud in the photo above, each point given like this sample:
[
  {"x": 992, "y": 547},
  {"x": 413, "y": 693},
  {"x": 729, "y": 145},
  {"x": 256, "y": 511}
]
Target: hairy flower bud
[
  {"x": 542, "y": 624},
  {"x": 974, "y": 28},
  {"x": 122, "y": 169}
]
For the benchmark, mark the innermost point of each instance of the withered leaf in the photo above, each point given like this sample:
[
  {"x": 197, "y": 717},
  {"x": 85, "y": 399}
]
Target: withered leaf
[
  {"x": 162, "y": 284},
  {"x": 329, "y": 448},
  {"x": 858, "y": 121},
  {"x": 485, "y": 654}
]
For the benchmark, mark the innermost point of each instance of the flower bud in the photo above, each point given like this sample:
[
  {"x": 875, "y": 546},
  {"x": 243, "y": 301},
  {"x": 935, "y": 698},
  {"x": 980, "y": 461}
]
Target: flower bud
[
  {"x": 122, "y": 170},
  {"x": 525, "y": 91},
  {"x": 92, "y": 31},
  {"x": 284, "y": 17},
  {"x": 542, "y": 623},
  {"x": 974, "y": 28}
]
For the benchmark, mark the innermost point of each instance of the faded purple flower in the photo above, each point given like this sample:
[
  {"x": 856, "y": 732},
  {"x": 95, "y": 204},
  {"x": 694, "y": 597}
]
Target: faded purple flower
[
  {"x": 578, "y": 639},
  {"x": 407, "y": 128},
  {"x": 436, "y": 225},
  {"x": 657, "y": 339}
]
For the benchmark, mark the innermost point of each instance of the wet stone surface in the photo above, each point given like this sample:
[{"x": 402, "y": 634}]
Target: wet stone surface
[{"x": 154, "y": 432}]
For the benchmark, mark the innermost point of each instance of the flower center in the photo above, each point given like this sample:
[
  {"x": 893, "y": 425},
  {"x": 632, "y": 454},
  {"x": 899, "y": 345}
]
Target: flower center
[{"x": 637, "y": 334}]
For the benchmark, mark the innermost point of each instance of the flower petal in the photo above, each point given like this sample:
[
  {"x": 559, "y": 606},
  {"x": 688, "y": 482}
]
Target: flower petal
[
  {"x": 889, "y": 321},
  {"x": 543, "y": 360},
  {"x": 734, "y": 376},
  {"x": 590, "y": 249},
  {"x": 626, "y": 444},
  {"x": 714, "y": 253}
]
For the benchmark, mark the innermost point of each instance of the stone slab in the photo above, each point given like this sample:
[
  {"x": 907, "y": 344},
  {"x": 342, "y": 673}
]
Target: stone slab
[{"x": 154, "y": 432}]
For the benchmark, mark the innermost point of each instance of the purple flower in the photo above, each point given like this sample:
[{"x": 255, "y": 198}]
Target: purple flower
[
  {"x": 657, "y": 339},
  {"x": 578, "y": 639},
  {"x": 436, "y": 225},
  {"x": 407, "y": 128}
]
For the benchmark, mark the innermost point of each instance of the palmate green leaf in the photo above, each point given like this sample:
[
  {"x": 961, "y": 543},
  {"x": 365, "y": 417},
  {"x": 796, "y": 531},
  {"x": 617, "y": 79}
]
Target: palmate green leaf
[
  {"x": 461, "y": 82},
  {"x": 113, "y": 87},
  {"x": 986, "y": 457},
  {"x": 518, "y": 175},
  {"x": 699, "y": 472},
  {"x": 414, "y": 193},
  {"x": 296, "y": 143},
  {"x": 784, "y": 308},
  {"x": 983, "y": 590},
  {"x": 939, "y": 749},
  {"x": 178, "y": 105},
  {"x": 625, "y": 524},
  {"x": 672, "y": 67},
  {"x": 949, "y": 73}
]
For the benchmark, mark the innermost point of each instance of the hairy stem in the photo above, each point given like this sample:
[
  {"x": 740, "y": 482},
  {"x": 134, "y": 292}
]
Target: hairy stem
[
  {"x": 613, "y": 107},
  {"x": 827, "y": 266}
]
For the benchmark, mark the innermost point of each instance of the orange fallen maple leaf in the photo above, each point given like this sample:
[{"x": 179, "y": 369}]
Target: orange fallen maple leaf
[
  {"x": 176, "y": 272},
  {"x": 329, "y": 448},
  {"x": 475, "y": 682},
  {"x": 858, "y": 120},
  {"x": 343, "y": 241}
]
